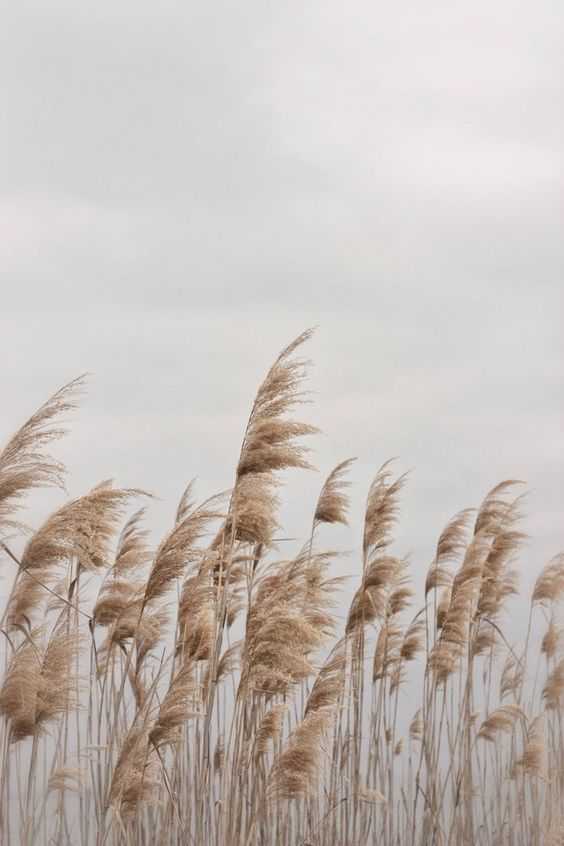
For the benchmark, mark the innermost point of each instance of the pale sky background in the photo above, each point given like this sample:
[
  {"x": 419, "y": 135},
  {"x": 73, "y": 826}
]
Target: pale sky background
[{"x": 186, "y": 186}]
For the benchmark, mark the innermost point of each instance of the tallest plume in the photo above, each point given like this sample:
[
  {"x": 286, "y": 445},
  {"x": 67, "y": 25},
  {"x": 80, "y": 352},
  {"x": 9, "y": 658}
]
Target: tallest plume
[{"x": 270, "y": 444}]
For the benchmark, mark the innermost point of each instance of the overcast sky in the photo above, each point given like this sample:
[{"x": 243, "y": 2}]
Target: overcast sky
[{"x": 186, "y": 186}]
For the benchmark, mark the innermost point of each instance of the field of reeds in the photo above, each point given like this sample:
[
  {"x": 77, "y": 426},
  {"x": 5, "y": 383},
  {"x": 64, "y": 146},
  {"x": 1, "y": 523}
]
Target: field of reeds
[{"x": 207, "y": 691}]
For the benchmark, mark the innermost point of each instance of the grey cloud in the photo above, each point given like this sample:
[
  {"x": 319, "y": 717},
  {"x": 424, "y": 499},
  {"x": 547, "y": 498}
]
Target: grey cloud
[{"x": 185, "y": 187}]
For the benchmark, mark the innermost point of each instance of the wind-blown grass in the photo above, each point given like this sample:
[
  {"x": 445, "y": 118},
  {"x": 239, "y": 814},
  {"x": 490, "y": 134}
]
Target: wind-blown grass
[{"x": 208, "y": 693}]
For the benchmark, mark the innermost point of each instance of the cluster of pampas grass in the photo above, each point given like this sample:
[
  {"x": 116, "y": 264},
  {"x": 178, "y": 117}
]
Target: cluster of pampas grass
[{"x": 206, "y": 691}]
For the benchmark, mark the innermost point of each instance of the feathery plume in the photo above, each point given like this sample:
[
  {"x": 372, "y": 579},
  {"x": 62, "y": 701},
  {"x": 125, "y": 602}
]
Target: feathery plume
[
  {"x": 132, "y": 552},
  {"x": 549, "y": 586},
  {"x": 135, "y": 777},
  {"x": 451, "y": 543},
  {"x": 551, "y": 640},
  {"x": 80, "y": 530},
  {"x": 19, "y": 692},
  {"x": 57, "y": 689},
  {"x": 67, "y": 778},
  {"x": 268, "y": 444},
  {"x": 502, "y": 719},
  {"x": 39, "y": 685},
  {"x": 416, "y": 726},
  {"x": 371, "y": 599},
  {"x": 496, "y": 513},
  {"x": 381, "y": 512},
  {"x": 333, "y": 501},
  {"x": 269, "y": 729},
  {"x": 23, "y": 463},
  {"x": 328, "y": 685},
  {"x": 554, "y": 687},
  {"x": 370, "y": 795},
  {"x": 295, "y": 772},
  {"x": 532, "y": 762},
  {"x": 178, "y": 550},
  {"x": 178, "y": 705}
]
